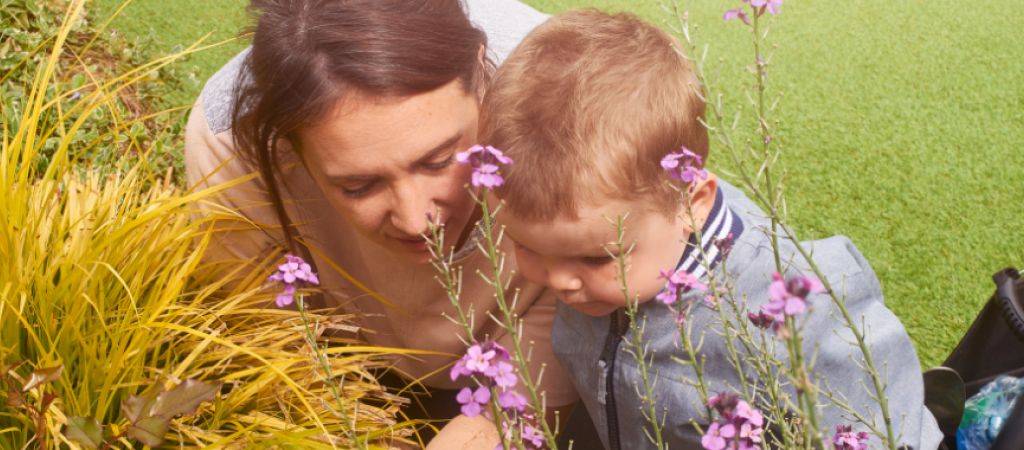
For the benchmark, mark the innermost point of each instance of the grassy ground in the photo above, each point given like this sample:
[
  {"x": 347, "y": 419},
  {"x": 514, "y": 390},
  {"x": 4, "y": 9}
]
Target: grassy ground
[{"x": 903, "y": 122}]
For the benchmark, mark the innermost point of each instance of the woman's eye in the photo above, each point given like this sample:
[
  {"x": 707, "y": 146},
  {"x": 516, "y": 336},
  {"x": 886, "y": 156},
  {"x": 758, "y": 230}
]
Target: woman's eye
[
  {"x": 357, "y": 191},
  {"x": 438, "y": 165}
]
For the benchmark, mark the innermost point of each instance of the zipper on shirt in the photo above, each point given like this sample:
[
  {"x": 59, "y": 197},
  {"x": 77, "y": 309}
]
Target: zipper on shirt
[{"x": 616, "y": 329}]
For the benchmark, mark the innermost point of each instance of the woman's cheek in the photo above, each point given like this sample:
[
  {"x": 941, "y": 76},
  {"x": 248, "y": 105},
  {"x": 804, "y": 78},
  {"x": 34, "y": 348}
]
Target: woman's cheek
[{"x": 365, "y": 214}]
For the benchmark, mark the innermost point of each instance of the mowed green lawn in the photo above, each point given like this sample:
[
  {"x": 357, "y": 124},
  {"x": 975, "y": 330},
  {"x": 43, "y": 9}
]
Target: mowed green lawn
[{"x": 903, "y": 124}]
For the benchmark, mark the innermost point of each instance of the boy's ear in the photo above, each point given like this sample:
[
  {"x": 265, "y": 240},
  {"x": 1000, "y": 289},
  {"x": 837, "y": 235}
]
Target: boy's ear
[{"x": 702, "y": 197}]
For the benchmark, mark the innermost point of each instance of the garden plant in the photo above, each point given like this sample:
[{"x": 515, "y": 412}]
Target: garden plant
[
  {"x": 778, "y": 401},
  {"x": 113, "y": 332}
]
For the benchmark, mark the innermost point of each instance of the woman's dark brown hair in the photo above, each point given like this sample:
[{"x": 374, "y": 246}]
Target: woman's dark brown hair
[{"x": 309, "y": 54}]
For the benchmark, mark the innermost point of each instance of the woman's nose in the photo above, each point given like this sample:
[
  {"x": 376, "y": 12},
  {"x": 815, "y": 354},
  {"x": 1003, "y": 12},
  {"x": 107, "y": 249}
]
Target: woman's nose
[{"x": 411, "y": 206}]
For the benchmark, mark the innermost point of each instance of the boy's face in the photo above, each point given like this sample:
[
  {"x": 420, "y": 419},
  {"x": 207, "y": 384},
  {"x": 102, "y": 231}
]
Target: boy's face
[{"x": 572, "y": 257}]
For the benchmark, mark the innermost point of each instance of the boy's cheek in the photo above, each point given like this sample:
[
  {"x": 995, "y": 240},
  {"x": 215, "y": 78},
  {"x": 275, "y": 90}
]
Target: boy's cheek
[
  {"x": 645, "y": 287},
  {"x": 530, "y": 269}
]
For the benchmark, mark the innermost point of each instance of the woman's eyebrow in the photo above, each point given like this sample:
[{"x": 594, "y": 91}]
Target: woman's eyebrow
[
  {"x": 430, "y": 155},
  {"x": 434, "y": 152}
]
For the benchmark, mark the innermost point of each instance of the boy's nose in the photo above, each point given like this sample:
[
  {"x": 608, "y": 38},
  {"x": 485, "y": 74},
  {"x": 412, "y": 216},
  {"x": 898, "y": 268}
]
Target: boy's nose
[{"x": 564, "y": 281}]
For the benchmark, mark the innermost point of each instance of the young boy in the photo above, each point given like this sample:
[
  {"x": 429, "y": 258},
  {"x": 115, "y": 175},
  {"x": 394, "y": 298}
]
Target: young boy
[{"x": 587, "y": 106}]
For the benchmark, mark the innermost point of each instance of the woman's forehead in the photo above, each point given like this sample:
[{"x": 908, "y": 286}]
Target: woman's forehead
[{"x": 364, "y": 133}]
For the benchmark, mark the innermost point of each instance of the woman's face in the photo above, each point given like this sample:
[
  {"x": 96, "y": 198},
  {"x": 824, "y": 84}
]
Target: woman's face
[{"x": 384, "y": 164}]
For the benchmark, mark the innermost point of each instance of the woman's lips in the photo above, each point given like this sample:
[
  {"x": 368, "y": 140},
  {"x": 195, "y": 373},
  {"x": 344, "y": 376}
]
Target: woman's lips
[{"x": 417, "y": 244}]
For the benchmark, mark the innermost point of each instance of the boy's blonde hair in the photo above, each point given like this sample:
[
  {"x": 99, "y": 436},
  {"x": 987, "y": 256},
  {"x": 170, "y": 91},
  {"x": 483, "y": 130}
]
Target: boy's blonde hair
[{"x": 586, "y": 106}]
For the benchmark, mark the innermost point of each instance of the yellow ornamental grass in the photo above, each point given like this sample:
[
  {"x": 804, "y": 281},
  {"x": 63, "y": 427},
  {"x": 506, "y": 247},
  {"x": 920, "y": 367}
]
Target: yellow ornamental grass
[{"x": 104, "y": 298}]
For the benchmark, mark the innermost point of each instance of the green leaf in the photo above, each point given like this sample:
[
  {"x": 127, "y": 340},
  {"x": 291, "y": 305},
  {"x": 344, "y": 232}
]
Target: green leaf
[
  {"x": 184, "y": 398},
  {"x": 42, "y": 376},
  {"x": 85, "y": 431},
  {"x": 150, "y": 430}
]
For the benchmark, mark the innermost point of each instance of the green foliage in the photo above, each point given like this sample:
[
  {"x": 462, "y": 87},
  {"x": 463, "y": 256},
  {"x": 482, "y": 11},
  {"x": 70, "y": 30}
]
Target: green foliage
[
  {"x": 108, "y": 315},
  {"x": 131, "y": 126},
  {"x": 902, "y": 123},
  {"x": 901, "y": 126}
]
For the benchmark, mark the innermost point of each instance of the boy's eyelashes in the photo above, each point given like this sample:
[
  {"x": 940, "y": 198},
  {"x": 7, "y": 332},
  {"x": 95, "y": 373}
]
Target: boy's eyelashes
[
  {"x": 596, "y": 260},
  {"x": 593, "y": 261}
]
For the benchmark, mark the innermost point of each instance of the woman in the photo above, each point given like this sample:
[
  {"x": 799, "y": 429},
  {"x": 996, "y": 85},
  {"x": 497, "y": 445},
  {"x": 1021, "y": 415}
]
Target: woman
[{"x": 351, "y": 112}]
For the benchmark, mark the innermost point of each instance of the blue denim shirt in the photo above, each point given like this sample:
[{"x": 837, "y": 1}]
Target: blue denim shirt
[{"x": 607, "y": 378}]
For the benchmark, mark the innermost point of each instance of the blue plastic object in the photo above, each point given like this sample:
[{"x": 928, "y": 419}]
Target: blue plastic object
[{"x": 986, "y": 412}]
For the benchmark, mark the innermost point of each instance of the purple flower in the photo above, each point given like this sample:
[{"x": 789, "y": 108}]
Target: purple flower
[
  {"x": 750, "y": 436},
  {"x": 677, "y": 282},
  {"x": 533, "y": 436},
  {"x": 789, "y": 297},
  {"x": 741, "y": 427},
  {"x": 725, "y": 403},
  {"x": 749, "y": 414},
  {"x": 473, "y": 401},
  {"x": 762, "y": 319},
  {"x": 294, "y": 269},
  {"x": 736, "y": 14},
  {"x": 485, "y": 162},
  {"x": 499, "y": 351},
  {"x": 293, "y": 273},
  {"x": 512, "y": 400},
  {"x": 739, "y": 419},
  {"x": 772, "y": 5},
  {"x": 846, "y": 439},
  {"x": 459, "y": 369},
  {"x": 477, "y": 359},
  {"x": 716, "y": 436},
  {"x": 725, "y": 244},
  {"x": 286, "y": 297},
  {"x": 685, "y": 166},
  {"x": 503, "y": 374},
  {"x": 487, "y": 176}
]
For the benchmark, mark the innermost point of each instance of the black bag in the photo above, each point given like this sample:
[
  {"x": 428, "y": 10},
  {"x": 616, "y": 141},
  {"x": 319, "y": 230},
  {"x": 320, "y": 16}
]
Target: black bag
[{"x": 992, "y": 346}]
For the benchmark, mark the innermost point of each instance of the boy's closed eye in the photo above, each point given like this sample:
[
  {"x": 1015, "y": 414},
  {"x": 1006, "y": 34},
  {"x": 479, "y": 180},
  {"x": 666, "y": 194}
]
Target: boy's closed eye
[{"x": 597, "y": 261}]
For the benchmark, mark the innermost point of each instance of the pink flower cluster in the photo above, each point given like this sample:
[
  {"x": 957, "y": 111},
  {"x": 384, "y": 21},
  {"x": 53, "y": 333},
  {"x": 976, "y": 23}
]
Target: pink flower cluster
[
  {"x": 759, "y": 7},
  {"x": 485, "y": 162},
  {"x": 292, "y": 274},
  {"x": 740, "y": 428},
  {"x": 685, "y": 166},
  {"x": 677, "y": 283},
  {"x": 788, "y": 298},
  {"x": 490, "y": 365},
  {"x": 846, "y": 439}
]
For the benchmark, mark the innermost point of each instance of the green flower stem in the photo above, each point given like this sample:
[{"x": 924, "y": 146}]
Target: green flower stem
[
  {"x": 451, "y": 279},
  {"x": 639, "y": 349},
  {"x": 508, "y": 319},
  {"x": 766, "y": 141},
  {"x": 325, "y": 367},
  {"x": 798, "y": 375},
  {"x": 876, "y": 380},
  {"x": 770, "y": 201}
]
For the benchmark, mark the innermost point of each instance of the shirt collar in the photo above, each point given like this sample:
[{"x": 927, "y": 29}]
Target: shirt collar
[{"x": 721, "y": 222}]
